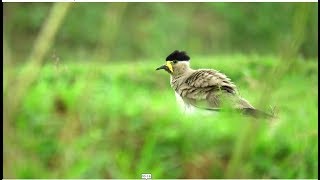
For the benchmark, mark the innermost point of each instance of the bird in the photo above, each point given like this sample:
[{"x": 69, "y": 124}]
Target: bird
[{"x": 206, "y": 89}]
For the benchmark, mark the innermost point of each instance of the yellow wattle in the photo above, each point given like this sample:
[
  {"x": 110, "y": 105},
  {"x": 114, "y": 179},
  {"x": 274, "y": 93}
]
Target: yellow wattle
[{"x": 169, "y": 65}]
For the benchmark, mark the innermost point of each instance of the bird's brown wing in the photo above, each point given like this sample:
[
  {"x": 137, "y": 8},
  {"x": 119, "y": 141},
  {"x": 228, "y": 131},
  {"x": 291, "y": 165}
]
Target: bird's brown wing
[
  {"x": 211, "y": 78},
  {"x": 210, "y": 89}
]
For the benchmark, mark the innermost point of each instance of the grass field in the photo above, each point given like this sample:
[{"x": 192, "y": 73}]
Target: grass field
[{"x": 86, "y": 120}]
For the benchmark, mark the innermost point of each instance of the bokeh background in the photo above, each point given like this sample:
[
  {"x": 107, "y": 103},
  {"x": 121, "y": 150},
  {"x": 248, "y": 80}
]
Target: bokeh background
[{"x": 82, "y": 98}]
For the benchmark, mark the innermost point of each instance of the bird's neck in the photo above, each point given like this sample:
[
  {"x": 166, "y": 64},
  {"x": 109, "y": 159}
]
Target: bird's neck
[
  {"x": 177, "y": 79},
  {"x": 183, "y": 73}
]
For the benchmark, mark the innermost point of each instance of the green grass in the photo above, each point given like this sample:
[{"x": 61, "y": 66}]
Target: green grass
[{"x": 121, "y": 120}]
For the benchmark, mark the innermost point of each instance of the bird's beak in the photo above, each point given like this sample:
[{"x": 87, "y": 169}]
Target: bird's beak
[{"x": 167, "y": 67}]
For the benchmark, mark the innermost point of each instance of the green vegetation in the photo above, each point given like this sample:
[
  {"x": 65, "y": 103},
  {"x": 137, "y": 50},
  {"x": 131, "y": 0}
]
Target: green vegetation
[
  {"x": 131, "y": 31},
  {"x": 82, "y": 98},
  {"x": 121, "y": 120}
]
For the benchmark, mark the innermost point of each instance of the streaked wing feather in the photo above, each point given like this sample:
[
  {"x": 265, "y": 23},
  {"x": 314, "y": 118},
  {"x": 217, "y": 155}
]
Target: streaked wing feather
[{"x": 210, "y": 78}]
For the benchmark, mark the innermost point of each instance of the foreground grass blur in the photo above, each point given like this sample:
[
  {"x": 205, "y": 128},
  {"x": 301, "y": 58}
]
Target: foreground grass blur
[{"x": 121, "y": 120}]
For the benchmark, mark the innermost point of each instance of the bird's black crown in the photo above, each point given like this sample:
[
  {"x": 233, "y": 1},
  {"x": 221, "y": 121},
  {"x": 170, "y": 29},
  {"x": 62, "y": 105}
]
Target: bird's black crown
[{"x": 178, "y": 55}]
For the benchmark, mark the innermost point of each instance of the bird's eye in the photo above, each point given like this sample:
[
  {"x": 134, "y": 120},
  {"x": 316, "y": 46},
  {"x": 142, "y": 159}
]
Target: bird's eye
[{"x": 175, "y": 62}]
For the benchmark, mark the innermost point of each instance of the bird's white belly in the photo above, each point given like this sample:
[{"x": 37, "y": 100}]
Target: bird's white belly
[
  {"x": 188, "y": 108},
  {"x": 184, "y": 107}
]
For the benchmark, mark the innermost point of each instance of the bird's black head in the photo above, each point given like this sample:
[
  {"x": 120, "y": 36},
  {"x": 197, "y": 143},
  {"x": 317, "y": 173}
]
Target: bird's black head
[
  {"x": 172, "y": 66},
  {"x": 178, "y": 56}
]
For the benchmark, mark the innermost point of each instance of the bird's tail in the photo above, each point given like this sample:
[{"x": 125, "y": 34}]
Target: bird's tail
[
  {"x": 247, "y": 111},
  {"x": 257, "y": 113}
]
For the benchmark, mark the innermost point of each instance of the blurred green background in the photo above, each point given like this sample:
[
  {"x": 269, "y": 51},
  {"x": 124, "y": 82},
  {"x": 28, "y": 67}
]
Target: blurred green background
[{"x": 82, "y": 98}]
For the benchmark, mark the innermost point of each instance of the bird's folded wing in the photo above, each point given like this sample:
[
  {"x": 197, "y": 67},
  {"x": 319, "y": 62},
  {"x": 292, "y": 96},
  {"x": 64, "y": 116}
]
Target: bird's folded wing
[
  {"x": 210, "y": 89},
  {"x": 206, "y": 78}
]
